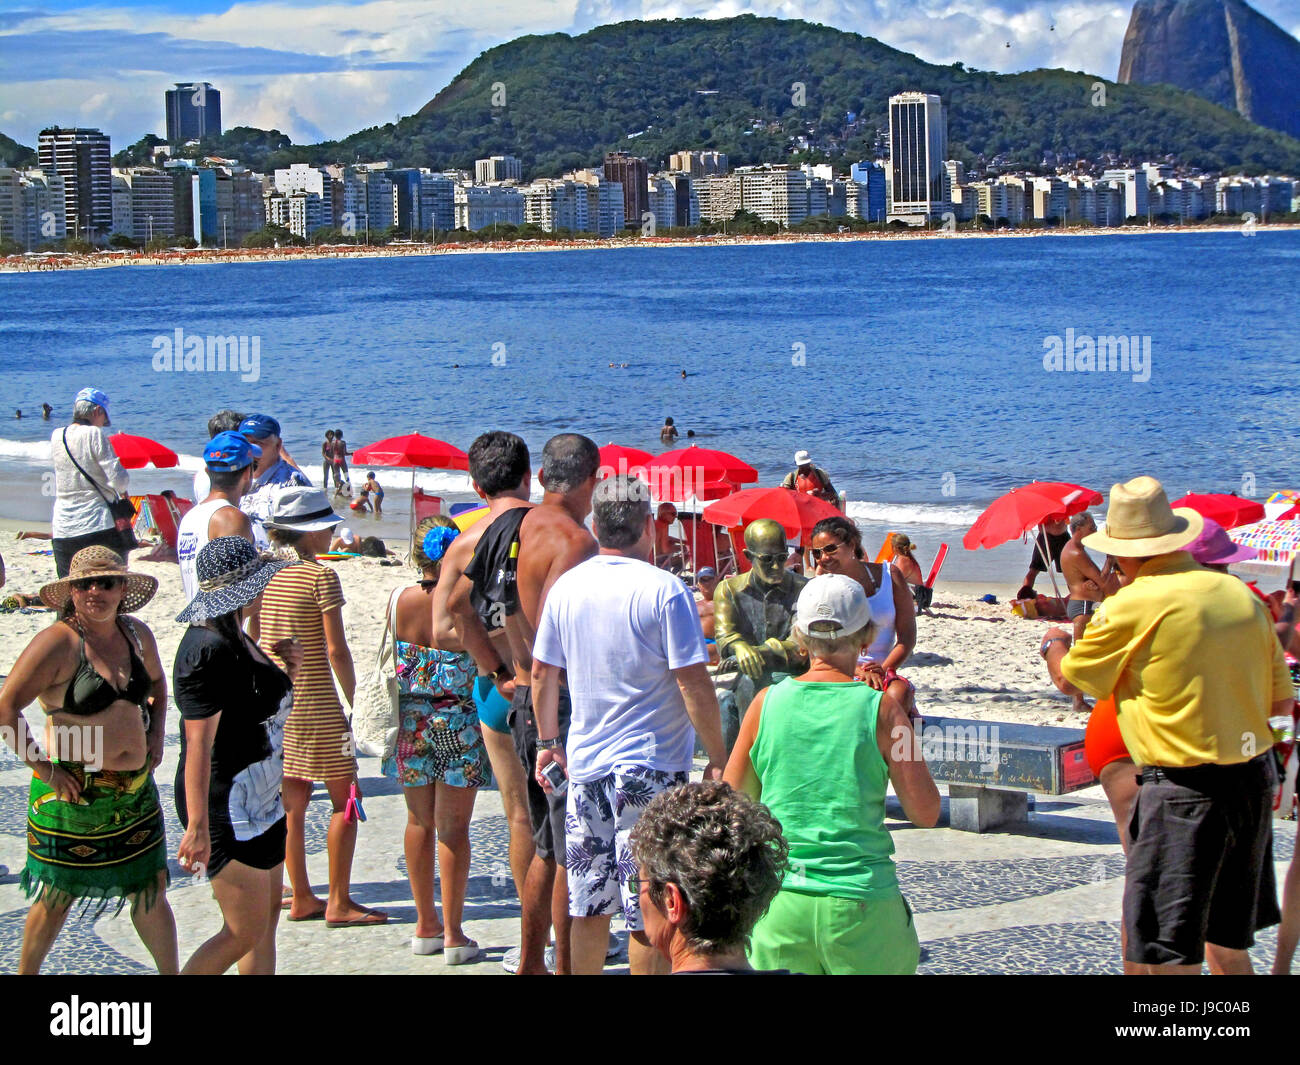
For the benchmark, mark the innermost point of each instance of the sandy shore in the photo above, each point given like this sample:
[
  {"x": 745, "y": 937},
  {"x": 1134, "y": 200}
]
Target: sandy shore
[
  {"x": 973, "y": 660},
  {"x": 207, "y": 256}
]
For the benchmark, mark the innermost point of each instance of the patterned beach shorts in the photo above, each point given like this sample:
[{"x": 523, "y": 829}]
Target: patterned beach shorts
[
  {"x": 598, "y": 821},
  {"x": 438, "y": 744}
]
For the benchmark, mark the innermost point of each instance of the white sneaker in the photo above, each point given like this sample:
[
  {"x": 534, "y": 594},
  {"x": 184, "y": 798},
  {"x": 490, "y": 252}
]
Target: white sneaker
[
  {"x": 615, "y": 947},
  {"x": 510, "y": 963}
]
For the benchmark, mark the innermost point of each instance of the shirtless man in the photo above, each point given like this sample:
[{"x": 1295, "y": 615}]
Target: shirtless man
[
  {"x": 1088, "y": 584},
  {"x": 668, "y": 549},
  {"x": 499, "y": 469},
  {"x": 552, "y": 540},
  {"x": 707, "y": 581}
]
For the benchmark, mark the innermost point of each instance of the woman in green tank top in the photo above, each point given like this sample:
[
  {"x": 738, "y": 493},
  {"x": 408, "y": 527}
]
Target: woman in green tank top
[{"x": 820, "y": 750}]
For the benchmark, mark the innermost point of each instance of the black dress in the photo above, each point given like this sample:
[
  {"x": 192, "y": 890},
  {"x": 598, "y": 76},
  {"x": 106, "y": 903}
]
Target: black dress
[{"x": 245, "y": 811}]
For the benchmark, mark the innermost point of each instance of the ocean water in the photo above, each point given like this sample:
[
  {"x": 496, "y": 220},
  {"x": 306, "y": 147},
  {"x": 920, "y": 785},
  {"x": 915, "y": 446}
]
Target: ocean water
[{"x": 913, "y": 370}]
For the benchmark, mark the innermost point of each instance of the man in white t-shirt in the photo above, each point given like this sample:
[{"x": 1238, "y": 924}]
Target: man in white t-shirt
[
  {"x": 629, "y": 637},
  {"x": 228, "y": 460}
]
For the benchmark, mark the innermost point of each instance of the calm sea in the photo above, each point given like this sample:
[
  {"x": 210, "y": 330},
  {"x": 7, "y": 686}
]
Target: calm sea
[{"x": 912, "y": 370}]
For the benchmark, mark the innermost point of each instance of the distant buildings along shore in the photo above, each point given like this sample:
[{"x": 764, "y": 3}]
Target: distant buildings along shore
[{"x": 75, "y": 192}]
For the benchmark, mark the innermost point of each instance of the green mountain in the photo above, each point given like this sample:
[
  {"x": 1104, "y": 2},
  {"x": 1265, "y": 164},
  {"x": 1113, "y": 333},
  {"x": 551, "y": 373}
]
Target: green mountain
[
  {"x": 734, "y": 85},
  {"x": 14, "y": 154}
]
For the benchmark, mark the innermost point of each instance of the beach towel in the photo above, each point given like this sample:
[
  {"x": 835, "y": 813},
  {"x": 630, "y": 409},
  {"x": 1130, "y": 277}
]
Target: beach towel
[{"x": 108, "y": 845}]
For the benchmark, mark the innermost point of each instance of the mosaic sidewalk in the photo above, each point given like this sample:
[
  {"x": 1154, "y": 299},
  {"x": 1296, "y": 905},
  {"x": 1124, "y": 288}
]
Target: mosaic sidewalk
[{"x": 1044, "y": 900}]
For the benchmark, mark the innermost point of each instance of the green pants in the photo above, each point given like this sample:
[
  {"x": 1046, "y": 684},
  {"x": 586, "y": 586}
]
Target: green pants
[{"x": 824, "y": 936}]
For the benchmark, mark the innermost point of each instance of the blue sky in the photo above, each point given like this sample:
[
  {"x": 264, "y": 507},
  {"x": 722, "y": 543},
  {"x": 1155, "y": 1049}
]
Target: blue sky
[{"x": 327, "y": 69}]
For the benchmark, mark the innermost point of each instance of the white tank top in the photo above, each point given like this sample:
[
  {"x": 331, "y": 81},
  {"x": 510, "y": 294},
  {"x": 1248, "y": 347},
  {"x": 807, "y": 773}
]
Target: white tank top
[
  {"x": 190, "y": 540},
  {"x": 882, "y": 613}
]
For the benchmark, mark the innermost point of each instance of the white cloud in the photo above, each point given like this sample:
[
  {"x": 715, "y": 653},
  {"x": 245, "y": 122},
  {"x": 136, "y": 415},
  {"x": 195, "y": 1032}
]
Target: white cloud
[{"x": 328, "y": 68}]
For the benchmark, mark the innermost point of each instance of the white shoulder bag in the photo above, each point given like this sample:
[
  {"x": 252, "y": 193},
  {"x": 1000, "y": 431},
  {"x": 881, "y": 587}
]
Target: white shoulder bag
[{"x": 375, "y": 715}]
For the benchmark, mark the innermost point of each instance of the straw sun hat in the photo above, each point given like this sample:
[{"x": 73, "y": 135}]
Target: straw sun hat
[
  {"x": 101, "y": 562},
  {"x": 1140, "y": 522}
]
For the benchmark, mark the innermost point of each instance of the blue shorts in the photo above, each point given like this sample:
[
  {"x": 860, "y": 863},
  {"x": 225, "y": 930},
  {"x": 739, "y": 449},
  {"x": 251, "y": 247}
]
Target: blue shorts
[{"x": 493, "y": 707}]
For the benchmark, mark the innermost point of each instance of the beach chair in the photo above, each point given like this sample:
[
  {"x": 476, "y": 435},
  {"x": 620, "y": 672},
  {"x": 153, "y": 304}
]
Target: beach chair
[
  {"x": 886, "y": 553},
  {"x": 423, "y": 505},
  {"x": 924, "y": 595}
]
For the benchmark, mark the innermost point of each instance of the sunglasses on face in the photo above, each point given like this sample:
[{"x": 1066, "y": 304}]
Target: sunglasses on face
[
  {"x": 829, "y": 551},
  {"x": 770, "y": 560},
  {"x": 107, "y": 584}
]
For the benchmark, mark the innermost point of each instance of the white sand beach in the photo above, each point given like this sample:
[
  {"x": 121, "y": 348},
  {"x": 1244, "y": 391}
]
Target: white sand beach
[{"x": 35, "y": 262}]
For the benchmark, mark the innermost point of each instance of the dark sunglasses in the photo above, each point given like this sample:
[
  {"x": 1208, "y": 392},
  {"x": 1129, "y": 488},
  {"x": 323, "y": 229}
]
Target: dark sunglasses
[
  {"x": 107, "y": 584},
  {"x": 828, "y": 551},
  {"x": 771, "y": 560}
]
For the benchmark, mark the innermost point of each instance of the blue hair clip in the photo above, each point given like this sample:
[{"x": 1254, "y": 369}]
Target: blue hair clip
[{"x": 437, "y": 540}]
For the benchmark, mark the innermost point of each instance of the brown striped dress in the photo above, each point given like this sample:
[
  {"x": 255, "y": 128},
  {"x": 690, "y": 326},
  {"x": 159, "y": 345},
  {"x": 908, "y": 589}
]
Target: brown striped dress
[{"x": 317, "y": 740}]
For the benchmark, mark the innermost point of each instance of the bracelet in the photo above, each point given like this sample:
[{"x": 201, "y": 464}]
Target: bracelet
[{"x": 549, "y": 745}]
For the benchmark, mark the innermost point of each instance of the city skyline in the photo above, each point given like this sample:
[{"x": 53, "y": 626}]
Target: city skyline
[{"x": 340, "y": 78}]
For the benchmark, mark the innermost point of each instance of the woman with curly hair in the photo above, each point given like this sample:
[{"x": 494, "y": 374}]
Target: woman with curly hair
[{"x": 710, "y": 862}]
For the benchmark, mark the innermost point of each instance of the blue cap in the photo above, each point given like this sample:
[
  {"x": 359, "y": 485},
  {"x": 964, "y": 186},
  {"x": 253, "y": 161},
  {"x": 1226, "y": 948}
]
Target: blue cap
[
  {"x": 93, "y": 395},
  {"x": 259, "y": 425},
  {"x": 227, "y": 452}
]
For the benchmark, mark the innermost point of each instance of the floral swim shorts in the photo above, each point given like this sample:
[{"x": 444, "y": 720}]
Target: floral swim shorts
[
  {"x": 439, "y": 744},
  {"x": 598, "y": 822}
]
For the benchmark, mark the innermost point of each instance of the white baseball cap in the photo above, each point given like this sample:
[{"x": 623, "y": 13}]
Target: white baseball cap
[
  {"x": 831, "y": 606},
  {"x": 802, "y": 458}
]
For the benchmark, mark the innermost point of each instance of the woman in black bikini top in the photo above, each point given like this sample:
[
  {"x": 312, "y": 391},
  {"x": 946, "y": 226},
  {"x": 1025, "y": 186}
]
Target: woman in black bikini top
[{"x": 90, "y": 693}]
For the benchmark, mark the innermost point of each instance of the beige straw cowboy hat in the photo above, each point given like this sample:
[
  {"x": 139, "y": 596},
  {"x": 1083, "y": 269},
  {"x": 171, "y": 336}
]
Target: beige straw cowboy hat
[
  {"x": 101, "y": 562},
  {"x": 1140, "y": 522}
]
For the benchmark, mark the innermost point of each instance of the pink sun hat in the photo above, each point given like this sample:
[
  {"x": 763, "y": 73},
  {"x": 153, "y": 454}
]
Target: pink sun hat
[{"x": 1214, "y": 547}]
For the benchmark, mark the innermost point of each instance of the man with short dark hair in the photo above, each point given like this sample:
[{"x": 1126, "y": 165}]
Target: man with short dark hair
[
  {"x": 629, "y": 638},
  {"x": 1196, "y": 671},
  {"x": 224, "y": 421},
  {"x": 228, "y": 459},
  {"x": 500, "y": 469}
]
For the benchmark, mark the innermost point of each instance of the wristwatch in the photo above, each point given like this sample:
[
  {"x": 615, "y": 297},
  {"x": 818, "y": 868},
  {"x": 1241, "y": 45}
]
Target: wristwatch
[{"x": 549, "y": 745}]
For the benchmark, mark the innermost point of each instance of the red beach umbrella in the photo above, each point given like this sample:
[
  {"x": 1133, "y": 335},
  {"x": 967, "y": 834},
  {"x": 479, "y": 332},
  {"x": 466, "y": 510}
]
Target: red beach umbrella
[
  {"x": 797, "y": 512},
  {"x": 137, "y": 452},
  {"x": 413, "y": 450},
  {"x": 687, "y": 469},
  {"x": 1227, "y": 509},
  {"x": 617, "y": 458},
  {"x": 1024, "y": 508}
]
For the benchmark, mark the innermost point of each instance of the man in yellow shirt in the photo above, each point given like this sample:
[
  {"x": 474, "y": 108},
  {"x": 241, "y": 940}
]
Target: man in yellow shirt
[{"x": 1196, "y": 670}]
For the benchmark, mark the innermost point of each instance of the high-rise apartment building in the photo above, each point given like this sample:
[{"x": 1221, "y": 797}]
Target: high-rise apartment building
[
  {"x": 698, "y": 164},
  {"x": 718, "y": 197},
  {"x": 776, "y": 193},
  {"x": 193, "y": 112},
  {"x": 633, "y": 173},
  {"x": 480, "y": 206},
  {"x": 83, "y": 159},
  {"x": 873, "y": 198},
  {"x": 918, "y": 148},
  {"x": 497, "y": 168}
]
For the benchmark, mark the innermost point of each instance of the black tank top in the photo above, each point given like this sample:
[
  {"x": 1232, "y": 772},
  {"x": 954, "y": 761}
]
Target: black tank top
[{"x": 494, "y": 567}]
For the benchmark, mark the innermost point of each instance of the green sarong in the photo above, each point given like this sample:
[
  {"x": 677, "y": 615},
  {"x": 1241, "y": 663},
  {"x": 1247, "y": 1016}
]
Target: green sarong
[{"x": 108, "y": 845}]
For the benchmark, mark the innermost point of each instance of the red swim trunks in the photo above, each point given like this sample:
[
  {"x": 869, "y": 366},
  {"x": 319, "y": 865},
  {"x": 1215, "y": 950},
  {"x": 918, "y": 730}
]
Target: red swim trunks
[{"x": 1102, "y": 742}]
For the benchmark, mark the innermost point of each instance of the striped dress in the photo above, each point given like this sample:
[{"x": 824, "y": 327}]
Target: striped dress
[{"x": 317, "y": 740}]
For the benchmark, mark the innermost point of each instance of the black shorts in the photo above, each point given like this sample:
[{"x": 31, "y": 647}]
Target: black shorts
[
  {"x": 1075, "y": 608},
  {"x": 65, "y": 547},
  {"x": 545, "y": 809},
  {"x": 1200, "y": 865}
]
